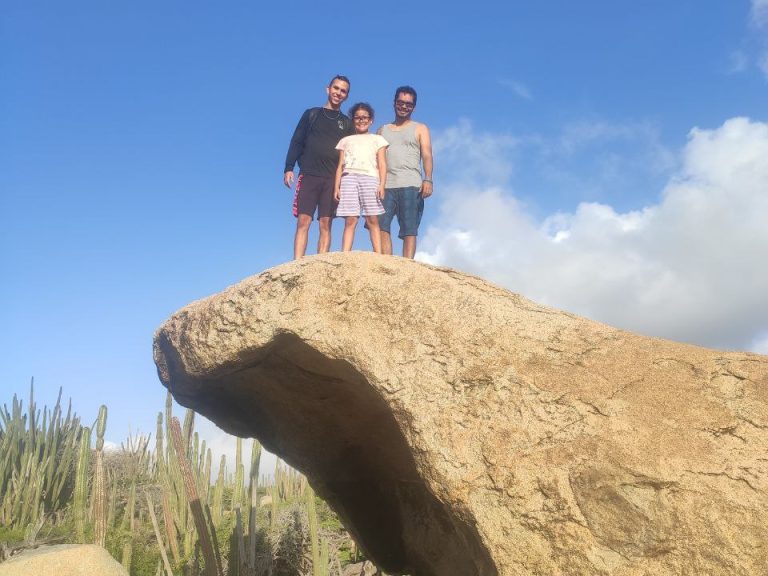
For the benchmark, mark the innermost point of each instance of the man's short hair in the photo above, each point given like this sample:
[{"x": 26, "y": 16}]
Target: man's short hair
[
  {"x": 339, "y": 77},
  {"x": 406, "y": 90}
]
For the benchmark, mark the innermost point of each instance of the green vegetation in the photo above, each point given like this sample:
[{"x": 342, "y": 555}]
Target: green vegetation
[{"x": 156, "y": 511}]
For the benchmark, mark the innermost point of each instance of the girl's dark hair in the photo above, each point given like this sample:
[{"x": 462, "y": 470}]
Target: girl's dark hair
[{"x": 361, "y": 106}]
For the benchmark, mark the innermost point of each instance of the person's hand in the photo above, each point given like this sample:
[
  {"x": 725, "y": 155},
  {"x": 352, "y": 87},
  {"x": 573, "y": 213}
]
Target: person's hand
[
  {"x": 337, "y": 194},
  {"x": 426, "y": 188},
  {"x": 381, "y": 192},
  {"x": 288, "y": 178}
]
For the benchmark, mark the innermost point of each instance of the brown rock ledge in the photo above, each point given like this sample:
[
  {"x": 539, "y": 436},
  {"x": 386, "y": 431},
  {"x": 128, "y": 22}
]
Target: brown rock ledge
[{"x": 462, "y": 430}]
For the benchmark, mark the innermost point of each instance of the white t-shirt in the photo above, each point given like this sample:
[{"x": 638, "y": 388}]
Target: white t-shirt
[{"x": 360, "y": 153}]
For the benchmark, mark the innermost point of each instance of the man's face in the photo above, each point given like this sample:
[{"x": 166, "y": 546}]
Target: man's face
[
  {"x": 404, "y": 105},
  {"x": 337, "y": 93}
]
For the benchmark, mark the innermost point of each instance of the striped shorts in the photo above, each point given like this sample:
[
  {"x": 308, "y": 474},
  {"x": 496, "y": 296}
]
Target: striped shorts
[{"x": 357, "y": 194}]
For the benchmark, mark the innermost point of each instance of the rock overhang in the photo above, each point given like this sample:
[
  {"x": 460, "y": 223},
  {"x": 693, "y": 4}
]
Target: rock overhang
[{"x": 426, "y": 405}]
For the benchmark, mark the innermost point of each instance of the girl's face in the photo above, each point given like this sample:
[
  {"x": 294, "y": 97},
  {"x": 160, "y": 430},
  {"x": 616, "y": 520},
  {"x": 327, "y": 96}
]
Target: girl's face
[{"x": 362, "y": 121}]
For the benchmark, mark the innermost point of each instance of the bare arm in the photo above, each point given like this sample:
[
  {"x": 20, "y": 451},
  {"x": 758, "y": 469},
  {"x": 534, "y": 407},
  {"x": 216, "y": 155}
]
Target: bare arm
[
  {"x": 425, "y": 145},
  {"x": 337, "y": 181},
  {"x": 381, "y": 162}
]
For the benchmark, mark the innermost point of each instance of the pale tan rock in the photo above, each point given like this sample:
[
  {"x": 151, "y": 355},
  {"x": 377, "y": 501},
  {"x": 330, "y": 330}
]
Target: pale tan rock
[
  {"x": 360, "y": 569},
  {"x": 460, "y": 429},
  {"x": 63, "y": 560}
]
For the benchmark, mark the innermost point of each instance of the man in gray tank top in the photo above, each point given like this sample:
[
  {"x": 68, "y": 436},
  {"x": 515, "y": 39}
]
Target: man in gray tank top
[{"x": 409, "y": 173}]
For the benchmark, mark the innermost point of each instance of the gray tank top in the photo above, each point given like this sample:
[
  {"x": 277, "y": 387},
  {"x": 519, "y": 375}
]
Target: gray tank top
[{"x": 403, "y": 156}]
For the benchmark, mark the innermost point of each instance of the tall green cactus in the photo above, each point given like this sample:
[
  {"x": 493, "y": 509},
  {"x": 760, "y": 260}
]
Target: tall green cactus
[
  {"x": 50, "y": 474},
  {"x": 128, "y": 524},
  {"x": 314, "y": 534},
  {"x": 161, "y": 474},
  {"x": 99, "y": 495},
  {"x": 218, "y": 492},
  {"x": 80, "y": 504},
  {"x": 205, "y": 533},
  {"x": 158, "y": 537},
  {"x": 112, "y": 500},
  {"x": 253, "y": 505},
  {"x": 238, "y": 489},
  {"x": 36, "y": 461}
]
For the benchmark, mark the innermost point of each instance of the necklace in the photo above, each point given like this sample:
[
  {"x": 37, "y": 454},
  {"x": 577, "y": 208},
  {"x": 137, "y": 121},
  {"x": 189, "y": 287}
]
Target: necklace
[{"x": 338, "y": 113}]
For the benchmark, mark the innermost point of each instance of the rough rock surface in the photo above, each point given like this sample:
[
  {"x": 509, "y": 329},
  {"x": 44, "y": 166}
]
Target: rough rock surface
[
  {"x": 63, "y": 560},
  {"x": 460, "y": 429}
]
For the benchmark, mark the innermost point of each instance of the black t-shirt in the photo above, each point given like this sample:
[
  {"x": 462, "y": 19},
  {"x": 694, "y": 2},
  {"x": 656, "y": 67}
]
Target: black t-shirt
[{"x": 313, "y": 144}]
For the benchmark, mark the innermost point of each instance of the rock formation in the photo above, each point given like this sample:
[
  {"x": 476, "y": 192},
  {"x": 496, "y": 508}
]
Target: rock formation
[
  {"x": 63, "y": 560},
  {"x": 461, "y": 430}
]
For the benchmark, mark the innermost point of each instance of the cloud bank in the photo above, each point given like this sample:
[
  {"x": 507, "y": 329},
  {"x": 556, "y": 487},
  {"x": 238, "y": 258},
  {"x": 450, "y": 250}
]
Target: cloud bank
[
  {"x": 760, "y": 12},
  {"x": 690, "y": 267}
]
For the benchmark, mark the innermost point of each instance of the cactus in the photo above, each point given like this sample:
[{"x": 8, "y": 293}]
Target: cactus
[
  {"x": 189, "y": 425},
  {"x": 50, "y": 475},
  {"x": 218, "y": 491},
  {"x": 159, "y": 452},
  {"x": 81, "y": 484},
  {"x": 129, "y": 524},
  {"x": 205, "y": 535},
  {"x": 253, "y": 505},
  {"x": 239, "y": 538},
  {"x": 99, "y": 495},
  {"x": 170, "y": 528},
  {"x": 36, "y": 462},
  {"x": 130, "y": 508},
  {"x": 206, "y": 479},
  {"x": 127, "y": 555},
  {"x": 238, "y": 489},
  {"x": 275, "y": 494},
  {"x": 112, "y": 501},
  {"x": 314, "y": 535},
  {"x": 155, "y": 526},
  {"x": 174, "y": 485}
]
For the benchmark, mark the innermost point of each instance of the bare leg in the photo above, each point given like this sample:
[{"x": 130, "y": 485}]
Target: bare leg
[
  {"x": 409, "y": 247},
  {"x": 302, "y": 232},
  {"x": 350, "y": 223},
  {"x": 324, "y": 241},
  {"x": 386, "y": 242},
  {"x": 373, "y": 228}
]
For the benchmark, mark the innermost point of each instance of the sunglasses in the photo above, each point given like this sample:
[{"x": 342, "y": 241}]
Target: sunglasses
[{"x": 404, "y": 104}]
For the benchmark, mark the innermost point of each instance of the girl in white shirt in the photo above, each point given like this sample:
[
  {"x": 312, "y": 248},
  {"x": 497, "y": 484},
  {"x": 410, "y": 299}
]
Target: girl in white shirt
[{"x": 360, "y": 177}]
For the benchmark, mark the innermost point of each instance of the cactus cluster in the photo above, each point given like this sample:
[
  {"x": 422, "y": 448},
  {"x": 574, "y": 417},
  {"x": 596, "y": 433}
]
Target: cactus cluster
[
  {"x": 158, "y": 511},
  {"x": 37, "y": 461}
]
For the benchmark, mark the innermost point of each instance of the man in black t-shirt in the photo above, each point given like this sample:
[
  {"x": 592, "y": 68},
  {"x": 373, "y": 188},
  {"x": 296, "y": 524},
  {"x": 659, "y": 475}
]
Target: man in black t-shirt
[{"x": 313, "y": 146}]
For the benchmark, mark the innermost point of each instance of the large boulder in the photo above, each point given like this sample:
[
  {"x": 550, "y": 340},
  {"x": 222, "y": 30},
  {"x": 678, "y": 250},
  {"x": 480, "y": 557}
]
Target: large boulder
[
  {"x": 461, "y": 430},
  {"x": 63, "y": 560}
]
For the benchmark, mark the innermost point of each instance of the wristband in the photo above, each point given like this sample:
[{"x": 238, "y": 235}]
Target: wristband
[{"x": 426, "y": 180}]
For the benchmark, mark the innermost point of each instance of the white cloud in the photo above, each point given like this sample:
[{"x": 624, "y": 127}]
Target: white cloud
[
  {"x": 603, "y": 142},
  {"x": 689, "y": 267},
  {"x": 473, "y": 157},
  {"x": 754, "y": 54},
  {"x": 762, "y": 63},
  {"x": 739, "y": 62},
  {"x": 518, "y": 88},
  {"x": 760, "y": 12}
]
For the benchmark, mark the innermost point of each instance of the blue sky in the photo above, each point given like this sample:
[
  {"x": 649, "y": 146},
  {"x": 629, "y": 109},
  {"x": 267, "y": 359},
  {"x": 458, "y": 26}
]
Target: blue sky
[{"x": 608, "y": 158}]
